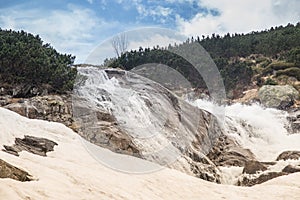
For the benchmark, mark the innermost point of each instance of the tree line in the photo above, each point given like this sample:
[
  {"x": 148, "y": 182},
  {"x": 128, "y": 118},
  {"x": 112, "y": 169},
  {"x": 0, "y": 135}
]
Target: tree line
[{"x": 281, "y": 42}]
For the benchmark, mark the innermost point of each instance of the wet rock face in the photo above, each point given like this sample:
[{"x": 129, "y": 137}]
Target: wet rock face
[
  {"x": 121, "y": 115},
  {"x": 9, "y": 171},
  {"x": 227, "y": 153},
  {"x": 35, "y": 145},
  {"x": 294, "y": 121},
  {"x": 101, "y": 128},
  {"x": 278, "y": 96},
  {"x": 286, "y": 155}
]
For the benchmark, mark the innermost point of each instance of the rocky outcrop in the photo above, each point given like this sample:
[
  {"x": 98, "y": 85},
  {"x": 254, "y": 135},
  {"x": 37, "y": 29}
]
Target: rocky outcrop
[
  {"x": 35, "y": 145},
  {"x": 294, "y": 121},
  {"x": 56, "y": 108},
  {"x": 291, "y": 169},
  {"x": 256, "y": 172},
  {"x": 286, "y": 155},
  {"x": 226, "y": 152},
  {"x": 101, "y": 128},
  {"x": 250, "y": 181},
  {"x": 9, "y": 171},
  {"x": 178, "y": 130},
  {"x": 252, "y": 167},
  {"x": 249, "y": 97},
  {"x": 278, "y": 96}
]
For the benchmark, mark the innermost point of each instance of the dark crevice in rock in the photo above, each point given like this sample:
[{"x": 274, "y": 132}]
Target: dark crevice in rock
[{"x": 227, "y": 153}]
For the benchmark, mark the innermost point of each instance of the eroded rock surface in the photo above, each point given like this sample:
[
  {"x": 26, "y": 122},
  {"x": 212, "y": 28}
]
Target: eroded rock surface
[
  {"x": 250, "y": 181},
  {"x": 291, "y": 169},
  {"x": 226, "y": 152},
  {"x": 35, "y": 145},
  {"x": 9, "y": 171},
  {"x": 56, "y": 108}
]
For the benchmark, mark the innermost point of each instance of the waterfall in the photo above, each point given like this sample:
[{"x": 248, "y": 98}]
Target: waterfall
[
  {"x": 171, "y": 131},
  {"x": 262, "y": 130},
  {"x": 142, "y": 114}
]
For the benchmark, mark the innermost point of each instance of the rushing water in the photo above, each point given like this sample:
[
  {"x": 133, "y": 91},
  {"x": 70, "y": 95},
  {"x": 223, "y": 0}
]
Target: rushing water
[
  {"x": 259, "y": 129},
  {"x": 143, "y": 111},
  {"x": 262, "y": 130}
]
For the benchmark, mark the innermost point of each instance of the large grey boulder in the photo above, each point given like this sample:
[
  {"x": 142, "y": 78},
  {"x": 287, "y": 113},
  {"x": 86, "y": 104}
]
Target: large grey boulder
[{"x": 278, "y": 96}]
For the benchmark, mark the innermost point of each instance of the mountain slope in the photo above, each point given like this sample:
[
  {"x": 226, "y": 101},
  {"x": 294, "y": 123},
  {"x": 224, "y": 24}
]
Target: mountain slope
[{"x": 70, "y": 172}]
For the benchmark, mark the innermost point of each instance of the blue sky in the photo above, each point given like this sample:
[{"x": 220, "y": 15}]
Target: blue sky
[{"x": 80, "y": 26}]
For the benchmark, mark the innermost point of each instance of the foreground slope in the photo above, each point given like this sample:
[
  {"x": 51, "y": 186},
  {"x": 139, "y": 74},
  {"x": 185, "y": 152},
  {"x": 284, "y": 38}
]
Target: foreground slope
[{"x": 70, "y": 172}]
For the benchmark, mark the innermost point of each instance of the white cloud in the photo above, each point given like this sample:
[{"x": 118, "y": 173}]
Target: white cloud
[
  {"x": 157, "y": 11},
  {"x": 240, "y": 16},
  {"x": 142, "y": 37},
  {"x": 153, "y": 41},
  {"x": 74, "y": 30},
  {"x": 90, "y": 1}
]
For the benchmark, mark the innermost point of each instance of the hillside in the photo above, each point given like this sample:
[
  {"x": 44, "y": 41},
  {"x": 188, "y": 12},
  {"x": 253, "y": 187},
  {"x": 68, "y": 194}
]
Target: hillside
[{"x": 244, "y": 60}]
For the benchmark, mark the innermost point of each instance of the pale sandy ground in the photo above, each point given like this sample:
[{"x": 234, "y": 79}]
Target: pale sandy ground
[{"x": 70, "y": 172}]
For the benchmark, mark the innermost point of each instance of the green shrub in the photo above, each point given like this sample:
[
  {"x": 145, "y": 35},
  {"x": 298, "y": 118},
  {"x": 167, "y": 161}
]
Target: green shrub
[
  {"x": 24, "y": 59},
  {"x": 270, "y": 81},
  {"x": 276, "y": 66},
  {"x": 293, "y": 71}
]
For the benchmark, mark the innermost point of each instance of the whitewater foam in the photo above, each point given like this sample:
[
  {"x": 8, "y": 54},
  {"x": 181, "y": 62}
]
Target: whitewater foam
[{"x": 262, "y": 130}]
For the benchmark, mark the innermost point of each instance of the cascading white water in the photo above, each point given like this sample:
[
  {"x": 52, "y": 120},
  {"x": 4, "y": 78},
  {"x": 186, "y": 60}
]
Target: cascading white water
[
  {"x": 254, "y": 127},
  {"x": 129, "y": 106},
  {"x": 148, "y": 114},
  {"x": 95, "y": 82},
  {"x": 262, "y": 130}
]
